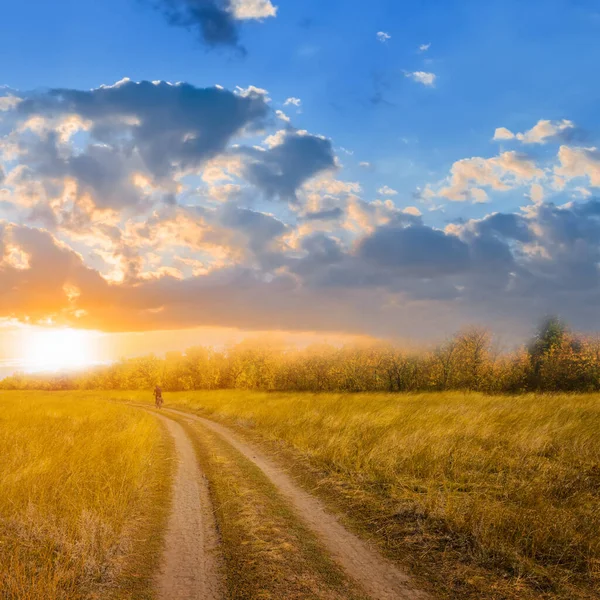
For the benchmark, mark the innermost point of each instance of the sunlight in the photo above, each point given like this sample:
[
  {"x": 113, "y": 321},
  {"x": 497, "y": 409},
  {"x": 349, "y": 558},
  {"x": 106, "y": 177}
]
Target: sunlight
[{"x": 58, "y": 349}]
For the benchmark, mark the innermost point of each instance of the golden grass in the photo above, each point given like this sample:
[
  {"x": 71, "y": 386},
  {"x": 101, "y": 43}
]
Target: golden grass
[
  {"x": 482, "y": 496},
  {"x": 83, "y": 498}
]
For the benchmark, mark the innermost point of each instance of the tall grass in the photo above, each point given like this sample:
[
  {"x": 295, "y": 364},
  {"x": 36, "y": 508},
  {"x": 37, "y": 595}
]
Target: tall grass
[
  {"x": 75, "y": 475},
  {"x": 499, "y": 495}
]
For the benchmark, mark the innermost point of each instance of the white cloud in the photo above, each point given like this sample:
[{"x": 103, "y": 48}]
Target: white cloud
[
  {"x": 365, "y": 165},
  {"x": 502, "y": 133},
  {"x": 412, "y": 210},
  {"x": 281, "y": 115},
  {"x": 501, "y": 173},
  {"x": 383, "y": 37},
  {"x": 252, "y": 9},
  {"x": 387, "y": 191},
  {"x": 330, "y": 185},
  {"x": 294, "y": 101},
  {"x": 536, "y": 193},
  {"x": 584, "y": 192},
  {"x": 579, "y": 162},
  {"x": 424, "y": 47},
  {"x": 252, "y": 90},
  {"x": 542, "y": 132},
  {"x": 422, "y": 77},
  {"x": 275, "y": 139},
  {"x": 8, "y": 103}
]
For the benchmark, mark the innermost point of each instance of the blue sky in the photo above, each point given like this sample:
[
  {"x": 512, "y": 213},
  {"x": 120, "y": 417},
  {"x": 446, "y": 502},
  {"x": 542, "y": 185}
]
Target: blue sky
[
  {"x": 382, "y": 190},
  {"x": 498, "y": 63}
]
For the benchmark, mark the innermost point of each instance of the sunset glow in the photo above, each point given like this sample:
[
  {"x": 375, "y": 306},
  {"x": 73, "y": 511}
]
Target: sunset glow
[{"x": 58, "y": 349}]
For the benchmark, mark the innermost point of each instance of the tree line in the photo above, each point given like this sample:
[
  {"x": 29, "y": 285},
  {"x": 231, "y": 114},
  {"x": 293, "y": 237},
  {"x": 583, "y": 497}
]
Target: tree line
[{"x": 555, "y": 360}]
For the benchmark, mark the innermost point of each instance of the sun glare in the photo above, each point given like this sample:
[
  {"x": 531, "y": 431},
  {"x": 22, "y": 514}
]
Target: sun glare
[{"x": 58, "y": 349}]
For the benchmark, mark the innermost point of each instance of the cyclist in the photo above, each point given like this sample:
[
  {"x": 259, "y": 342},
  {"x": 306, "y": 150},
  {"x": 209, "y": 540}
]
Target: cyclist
[{"x": 158, "y": 399}]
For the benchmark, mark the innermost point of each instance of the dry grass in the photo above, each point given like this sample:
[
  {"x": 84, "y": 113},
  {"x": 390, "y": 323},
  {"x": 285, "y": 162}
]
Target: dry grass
[
  {"x": 482, "y": 496},
  {"x": 83, "y": 497}
]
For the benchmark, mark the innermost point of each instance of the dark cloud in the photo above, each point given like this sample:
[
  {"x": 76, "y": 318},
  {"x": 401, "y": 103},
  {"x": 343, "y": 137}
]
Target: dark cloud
[
  {"x": 170, "y": 126},
  {"x": 259, "y": 229},
  {"x": 416, "y": 250},
  {"x": 332, "y": 214},
  {"x": 508, "y": 226},
  {"x": 282, "y": 169},
  {"x": 211, "y": 20},
  {"x": 503, "y": 268}
]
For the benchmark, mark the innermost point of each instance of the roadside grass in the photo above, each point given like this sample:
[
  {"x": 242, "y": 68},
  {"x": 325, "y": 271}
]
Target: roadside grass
[
  {"x": 480, "y": 496},
  {"x": 268, "y": 553},
  {"x": 84, "y": 498}
]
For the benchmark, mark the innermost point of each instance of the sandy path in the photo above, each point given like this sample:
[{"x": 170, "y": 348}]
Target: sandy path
[
  {"x": 189, "y": 568},
  {"x": 378, "y": 577}
]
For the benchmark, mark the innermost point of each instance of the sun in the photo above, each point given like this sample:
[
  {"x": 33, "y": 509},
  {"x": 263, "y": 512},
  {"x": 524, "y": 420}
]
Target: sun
[{"x": 58, "y": 349}]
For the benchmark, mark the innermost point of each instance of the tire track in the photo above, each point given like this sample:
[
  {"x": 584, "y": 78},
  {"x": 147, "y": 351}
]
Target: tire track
[
  {"x": 190, "y": 566},
  {"x": 381, "y": 579}
]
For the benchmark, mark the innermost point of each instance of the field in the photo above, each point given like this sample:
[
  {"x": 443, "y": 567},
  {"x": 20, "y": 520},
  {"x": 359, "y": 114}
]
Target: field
[
  {"x": 80, "y": 515},
  {"x": 475, "y": 496},
  {"x": 482, "y": 496}
]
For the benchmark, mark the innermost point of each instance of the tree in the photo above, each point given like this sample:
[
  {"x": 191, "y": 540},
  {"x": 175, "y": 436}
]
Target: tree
[
  {"x": 552, "y": 351},
  {"x": 473, "y": 357}
]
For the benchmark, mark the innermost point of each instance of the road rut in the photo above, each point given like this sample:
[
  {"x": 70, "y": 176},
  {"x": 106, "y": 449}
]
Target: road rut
[{"x": 190, "y": 566}]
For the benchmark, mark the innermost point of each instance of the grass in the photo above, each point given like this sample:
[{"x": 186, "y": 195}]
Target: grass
[
  {"x": 268, "y": 553},
  {"x": 480, "y": 496},
  {"x": 85, "y": 489}
]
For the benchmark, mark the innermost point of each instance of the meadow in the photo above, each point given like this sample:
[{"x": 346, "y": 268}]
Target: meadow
[
  {"x": 481, "y": 496},
  {"x": 85, "y": 492}
]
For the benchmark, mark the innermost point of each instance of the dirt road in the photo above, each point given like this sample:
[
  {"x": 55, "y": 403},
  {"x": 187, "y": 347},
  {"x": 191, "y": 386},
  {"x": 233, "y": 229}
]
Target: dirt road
[
  {"x": 381, "y": 579},
  {"x": 190, "y": 566}
]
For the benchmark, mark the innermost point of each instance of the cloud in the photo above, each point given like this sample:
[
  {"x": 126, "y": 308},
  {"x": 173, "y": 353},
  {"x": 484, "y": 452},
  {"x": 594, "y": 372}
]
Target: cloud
[
  {"x": 8, "y": 102},
  {"x": 544, "y": 131},
  {"x": 259, "y": 229},
  {"x": 503, "y": 172},
  {"x": 215, "y": 22},
  {"x": 579, "y": 162},
  {"x": 208, "y": 19},
  {"x": 424, "y": 47},
  {"x": 293, "y": 101},
  {"x": 287, "y": 165},
  {"x": 281, "y": 115},
  {"x": 412, "y": 210},
  {"x": 383, "y": 37},
  {"x": 252, "y": 9},
  {"x": 139, "y": 139},
  {"x": 423, "y": 77},
  {"x": 333, "y": 214},
  {"x": 502, "y": 133},
  {"x": 145, "y": 209},
  {"x": 387, "y": 191},
  {"x": 504, "y": 266},
  {"x": 416, "y": 250}
]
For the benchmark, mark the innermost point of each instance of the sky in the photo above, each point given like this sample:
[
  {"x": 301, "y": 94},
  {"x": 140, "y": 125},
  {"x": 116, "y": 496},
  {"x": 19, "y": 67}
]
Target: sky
[{"x": 390, "y": 169}]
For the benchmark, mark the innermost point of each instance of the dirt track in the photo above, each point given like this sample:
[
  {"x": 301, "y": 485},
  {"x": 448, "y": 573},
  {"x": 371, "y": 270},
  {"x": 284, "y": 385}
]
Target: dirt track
[
  {"x": 378, "y": 577},
  {"x": 190, "y": 568}
]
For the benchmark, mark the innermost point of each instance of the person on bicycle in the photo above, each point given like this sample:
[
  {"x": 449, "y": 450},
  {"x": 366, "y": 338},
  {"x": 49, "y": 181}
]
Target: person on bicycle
[{"x": 158, "y": 399}]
